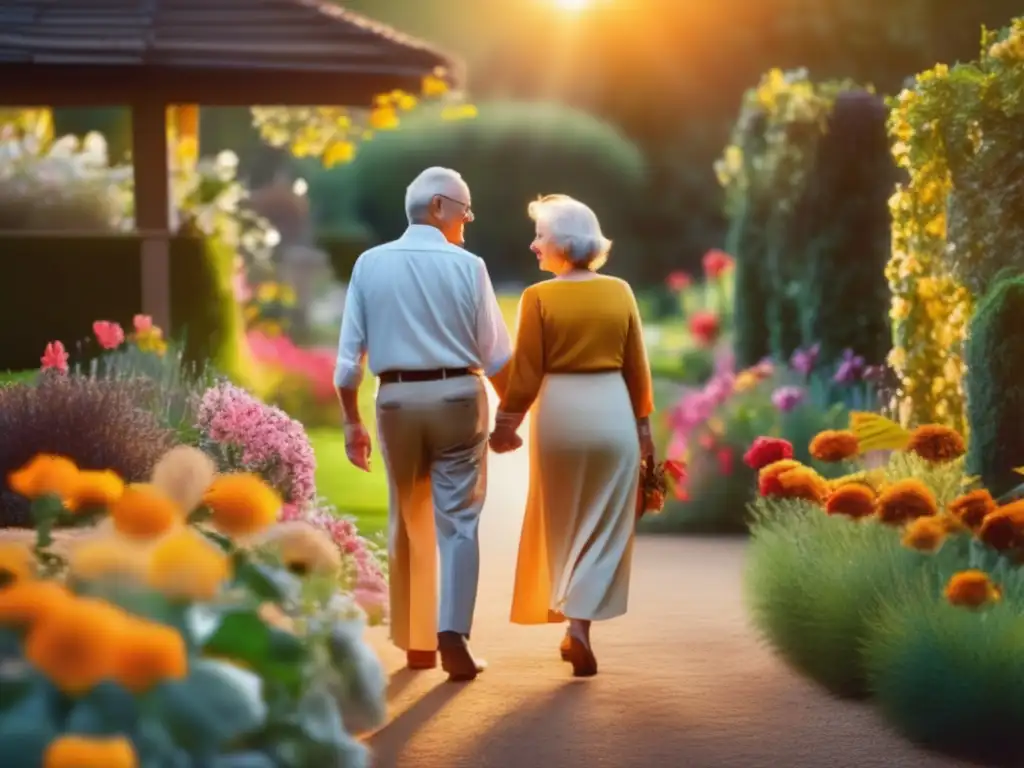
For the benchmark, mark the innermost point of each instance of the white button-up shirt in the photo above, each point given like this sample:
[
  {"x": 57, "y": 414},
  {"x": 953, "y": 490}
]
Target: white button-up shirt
[{"x": 420, "y": 303}]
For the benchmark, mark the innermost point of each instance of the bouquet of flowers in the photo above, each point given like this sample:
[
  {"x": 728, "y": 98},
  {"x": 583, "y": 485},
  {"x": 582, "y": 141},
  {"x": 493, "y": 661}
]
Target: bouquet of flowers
[{"x": 654, "y": 484}]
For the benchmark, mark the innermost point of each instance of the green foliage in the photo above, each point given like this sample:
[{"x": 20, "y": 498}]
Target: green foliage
[
  {"x": 995, "y": 387},
  {"x": 539, "y": 148},
  {"x": 814, "y": 586},
  {"x": 343, "y": 246},
  {"x": 841, "y": 229},
  {"x": 948, "y": 677}
]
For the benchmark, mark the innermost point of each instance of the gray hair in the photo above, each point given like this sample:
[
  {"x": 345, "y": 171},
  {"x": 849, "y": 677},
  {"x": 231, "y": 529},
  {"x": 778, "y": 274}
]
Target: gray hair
[
  {"x": 430, "y": 183},
  {"x": 574, "y": 227}
]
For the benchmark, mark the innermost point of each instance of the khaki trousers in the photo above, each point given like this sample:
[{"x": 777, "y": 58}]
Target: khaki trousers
[{"x": 433, "y": 439}]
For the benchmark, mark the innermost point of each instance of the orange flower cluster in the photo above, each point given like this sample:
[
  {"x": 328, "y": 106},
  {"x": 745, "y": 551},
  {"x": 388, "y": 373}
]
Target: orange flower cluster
[
  {"x": 972, "y": 589},
  {"x": 789, "y": 479},
  {"x": 855, "y": 500},
  {"x": 834, "y": 445},
  {"x": 937, "y": 443}
]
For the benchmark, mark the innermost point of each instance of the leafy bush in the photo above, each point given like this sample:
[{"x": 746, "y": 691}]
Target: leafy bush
[
  {"x": 994, "y": 387},
  {"x": 555, "y": 149},
  {"x": 98, "y": 423},
  {"x": 948, "y": 677},
  {"x": 814, "y": 585}
]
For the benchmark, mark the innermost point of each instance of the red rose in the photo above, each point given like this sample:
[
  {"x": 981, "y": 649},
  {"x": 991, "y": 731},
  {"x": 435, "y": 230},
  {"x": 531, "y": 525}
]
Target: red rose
[
  {"x": 716, "y": 262},
  {"x": 678, "y": 281},
  {"x": 677, "y": 471},
  {"x": 725, "y": 461},
  {"x": 767, "y": 450},
  {"x": 704, "y": 327}
]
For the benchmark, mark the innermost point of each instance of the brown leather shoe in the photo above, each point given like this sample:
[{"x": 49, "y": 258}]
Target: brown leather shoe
[
  {"x": 456, "y": 658},
  {"x": 565, "y": 647},
  {"x": 584, "y": 663},
  {"x": 421, "y": 659}
]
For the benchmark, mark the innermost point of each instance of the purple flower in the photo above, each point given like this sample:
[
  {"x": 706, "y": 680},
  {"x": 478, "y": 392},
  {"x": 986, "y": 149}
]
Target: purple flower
[
  {"x": 787, "y": 398},
  {"x": 876, "y": 373},
  {"x": 804, "y": 360},
  {"x": 851, "y": 368}
]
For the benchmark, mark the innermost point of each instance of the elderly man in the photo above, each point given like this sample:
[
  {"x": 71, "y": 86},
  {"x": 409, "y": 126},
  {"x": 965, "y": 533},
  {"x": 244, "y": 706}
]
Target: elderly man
[{"x": 422, "y": 312}]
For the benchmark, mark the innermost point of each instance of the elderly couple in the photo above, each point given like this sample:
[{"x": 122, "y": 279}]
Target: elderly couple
[{"x": 422, "y": 313}]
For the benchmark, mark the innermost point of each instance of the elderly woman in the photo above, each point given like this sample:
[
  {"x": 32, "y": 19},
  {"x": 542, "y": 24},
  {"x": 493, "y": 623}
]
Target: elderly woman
[{"x": 581, "y": 366}]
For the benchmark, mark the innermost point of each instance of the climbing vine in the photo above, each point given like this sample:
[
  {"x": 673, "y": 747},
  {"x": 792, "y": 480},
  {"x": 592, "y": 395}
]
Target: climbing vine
[
  {"x": 334, "y": 133},
  {"x": 956, "y": 224}
]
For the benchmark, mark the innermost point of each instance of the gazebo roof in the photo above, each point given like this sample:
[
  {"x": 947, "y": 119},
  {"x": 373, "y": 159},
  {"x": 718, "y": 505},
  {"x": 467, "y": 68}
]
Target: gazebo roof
[{"x": 217, "y": 52}]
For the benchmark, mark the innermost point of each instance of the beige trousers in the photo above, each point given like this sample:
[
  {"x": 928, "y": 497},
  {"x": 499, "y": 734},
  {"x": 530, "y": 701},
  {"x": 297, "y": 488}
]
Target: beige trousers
[{"x": 433, "y": 439}]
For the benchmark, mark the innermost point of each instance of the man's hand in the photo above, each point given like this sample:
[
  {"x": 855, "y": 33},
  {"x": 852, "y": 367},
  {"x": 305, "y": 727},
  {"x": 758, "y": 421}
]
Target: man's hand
[{"x": 357, "y": 445}]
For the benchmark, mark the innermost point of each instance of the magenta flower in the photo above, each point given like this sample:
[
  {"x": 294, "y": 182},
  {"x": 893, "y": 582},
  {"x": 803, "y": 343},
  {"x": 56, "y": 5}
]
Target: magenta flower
[
  {"x": 787, "y": 398},
  {"x": 804, "y": 360}
]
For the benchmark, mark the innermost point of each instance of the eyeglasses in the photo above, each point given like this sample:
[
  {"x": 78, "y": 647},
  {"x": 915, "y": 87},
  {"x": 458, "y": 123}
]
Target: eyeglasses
[{"x": 466, "y": 207}]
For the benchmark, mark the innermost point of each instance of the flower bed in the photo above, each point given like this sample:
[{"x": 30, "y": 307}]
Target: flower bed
[
  {"x": 899, "y": 582},
  {"x": 184, "y": 625}
]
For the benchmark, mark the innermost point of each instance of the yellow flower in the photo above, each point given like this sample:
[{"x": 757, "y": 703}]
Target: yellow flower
[
  {"x": 188, "y": 565},
  {"x": 26, "y": 602},
  {"x": 267, "y": 292},
  {"x": 75, "y": 646},
  {"x": 95, "y": 489},
  {"x": 972, "y": 589},
  {"x": 183, "y": 474},
  {"x": 71, "y": 751},
  {"x": 106, "y": 557},
  {"x": 147, "y": 654},
  {"x": 17, "y": 562},
  {"x": 242, "y": 504},
  {"x": 433, "y": 85},
  {"x": 303, "y": 548},
  {"x": 144, "y": 512},
  {"x": 384, "y": 119},
  {"x": 925, "y": 534},
  {"x": 745, "y": 381},
  {"x": 46, "y": 474}
]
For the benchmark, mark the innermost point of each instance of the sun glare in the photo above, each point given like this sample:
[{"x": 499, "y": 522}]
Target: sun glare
[{"x": 571, "y": 5}]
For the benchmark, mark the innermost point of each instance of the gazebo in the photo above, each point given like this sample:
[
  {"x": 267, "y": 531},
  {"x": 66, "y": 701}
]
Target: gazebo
[{"x": 151, "y": 54}]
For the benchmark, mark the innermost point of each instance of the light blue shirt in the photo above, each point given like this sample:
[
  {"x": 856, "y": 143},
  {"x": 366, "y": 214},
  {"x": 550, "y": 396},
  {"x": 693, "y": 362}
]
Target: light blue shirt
[{"x": 420, "y": 303}]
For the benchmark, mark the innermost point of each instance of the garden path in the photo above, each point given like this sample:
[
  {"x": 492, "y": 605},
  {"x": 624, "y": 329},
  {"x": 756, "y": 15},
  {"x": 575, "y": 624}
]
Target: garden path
[{"x": 684, "y": 681}]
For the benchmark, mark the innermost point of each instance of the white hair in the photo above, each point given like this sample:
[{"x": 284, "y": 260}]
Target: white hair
[
  {"x": 430, "y": 183},
  {"x": 574, "y": 227}
]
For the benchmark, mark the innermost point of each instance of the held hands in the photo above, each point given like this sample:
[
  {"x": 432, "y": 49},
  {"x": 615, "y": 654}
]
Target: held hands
[
  {"x": 504, "y": 437},
  {"x": 358, "y": 445}
]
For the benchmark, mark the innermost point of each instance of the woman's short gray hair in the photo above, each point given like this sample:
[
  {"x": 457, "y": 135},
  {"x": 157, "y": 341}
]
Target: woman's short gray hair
[{"x": 574, "y": 227}]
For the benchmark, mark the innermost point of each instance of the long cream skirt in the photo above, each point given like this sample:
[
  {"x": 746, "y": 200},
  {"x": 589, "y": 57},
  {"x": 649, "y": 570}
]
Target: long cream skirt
[{"x": 577, "y": 540}]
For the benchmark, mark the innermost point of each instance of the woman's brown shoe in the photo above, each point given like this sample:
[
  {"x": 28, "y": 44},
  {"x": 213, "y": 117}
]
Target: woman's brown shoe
[
  {"x": 565, "y": 647},
  {"x": 584, "y": 663}
]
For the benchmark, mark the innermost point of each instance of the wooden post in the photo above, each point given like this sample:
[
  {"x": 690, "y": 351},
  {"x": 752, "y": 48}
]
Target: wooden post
[{"x": 152, "y": 208}]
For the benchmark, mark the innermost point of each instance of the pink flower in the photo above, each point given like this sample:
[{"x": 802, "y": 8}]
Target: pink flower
[
  {"x": 110, "y": 335},
  {"x": 55, "y": 357},
  {"x": 249, "y": 435},
  {"x": 142, "y": 323},
  {"x": 725, "y": 460},
  {"x": 716, "y": 262},
  {"x": 678, "y": 281}
]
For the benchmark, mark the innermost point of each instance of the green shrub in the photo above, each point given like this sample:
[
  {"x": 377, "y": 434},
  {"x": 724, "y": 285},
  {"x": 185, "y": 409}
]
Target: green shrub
[
  {"x": 994, "y": 387},
  {"x": 509, "y": 154},
  {"x": 343, "y": 247},
  {"x": 948, "y": 677},
  {"x": 842, "y": 229},
  {"x": 814, "y": 583}
]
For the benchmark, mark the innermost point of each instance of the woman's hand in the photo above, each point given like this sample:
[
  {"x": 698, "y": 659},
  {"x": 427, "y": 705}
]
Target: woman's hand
[
  {"x": 643, "y": 431},
  {"x": 504, "y": 437}
]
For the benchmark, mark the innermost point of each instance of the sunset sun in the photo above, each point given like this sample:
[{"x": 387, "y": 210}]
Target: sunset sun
[{"x": 571, "y": 5}]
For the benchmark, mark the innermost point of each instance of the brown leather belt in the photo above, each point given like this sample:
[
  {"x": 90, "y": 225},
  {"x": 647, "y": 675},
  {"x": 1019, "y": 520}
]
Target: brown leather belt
[{"x": 394, "y": 377}]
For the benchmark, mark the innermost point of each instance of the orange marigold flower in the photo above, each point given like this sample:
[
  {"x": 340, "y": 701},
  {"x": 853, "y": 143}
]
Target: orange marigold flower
[
  {"x": 95, "y": 488},
  {"x": 833, "y": 445},
  {"x": 904, "y": 500},
  {"x": 75, "y": 646},
  {"x": 854, "y": 500},
  {"x": 972, "y": 589},
  {"x": 45, "y": 475},
  {"x": 937, "y": 443},
  {"x": 26, "y": 602},
  {"x": 144, "y": 512},
  {"x": 971, "y": 508},
  {"x": 187, "y": 565},
  {"x": 17, "y": 562},
  {"x": 925, "y": 534},
  {"x": 768, "y": 476},
  {"x": 1003, "y": 528},
  {"x": 90, "y": 752},
  {"x": 242, "y": 504},
  {"x": 803, "y": 483},
  {"x": 147, "y": 654}
]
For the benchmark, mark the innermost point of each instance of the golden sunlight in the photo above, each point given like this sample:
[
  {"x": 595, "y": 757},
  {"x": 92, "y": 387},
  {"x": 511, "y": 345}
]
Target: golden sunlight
[{"x": 572, "y": 5}]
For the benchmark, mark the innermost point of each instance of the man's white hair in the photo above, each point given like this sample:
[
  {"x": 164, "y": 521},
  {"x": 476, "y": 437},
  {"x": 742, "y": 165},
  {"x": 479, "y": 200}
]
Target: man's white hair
[
  {"x": 574, "y": 227},
  {"x": 431, "y": 182}
]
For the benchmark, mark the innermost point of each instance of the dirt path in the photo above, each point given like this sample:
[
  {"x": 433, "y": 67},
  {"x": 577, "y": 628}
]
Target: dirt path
[{"x": 684, "y": 682}]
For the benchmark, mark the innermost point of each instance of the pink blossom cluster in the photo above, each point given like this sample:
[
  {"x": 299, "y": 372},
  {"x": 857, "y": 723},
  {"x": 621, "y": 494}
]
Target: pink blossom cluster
[
  {"x": 695, "y": 407},
  {"x": 249, "y": 435},
  {"x": 366, "y": 575},
  {"x": 316, "y": 366}
]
